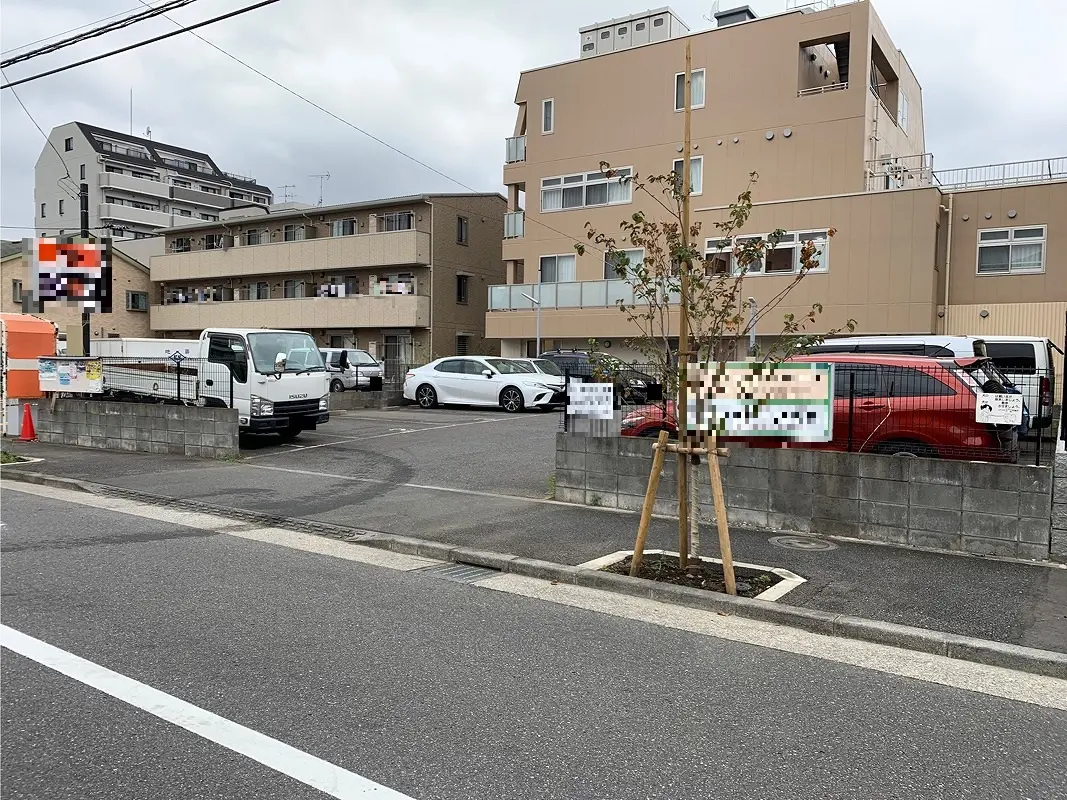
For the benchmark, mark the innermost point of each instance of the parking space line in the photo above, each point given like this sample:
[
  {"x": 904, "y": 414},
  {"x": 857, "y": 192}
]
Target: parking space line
[{"x": 297, "y": 764}]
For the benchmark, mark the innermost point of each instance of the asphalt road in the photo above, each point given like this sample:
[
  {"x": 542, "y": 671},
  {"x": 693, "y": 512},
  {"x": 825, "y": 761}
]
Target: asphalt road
[{"x": 444, "y": 690}]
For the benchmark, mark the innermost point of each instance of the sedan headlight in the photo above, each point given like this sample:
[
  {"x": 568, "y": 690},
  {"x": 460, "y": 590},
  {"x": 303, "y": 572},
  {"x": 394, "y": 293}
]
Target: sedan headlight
[
  {"x": 545, "y": 386},
  {"x": 637, "y": 384},
  {"x": 261, "y": 407},
  {"x": 324, "y": 403},
  {"x": 632, "y": 422}
]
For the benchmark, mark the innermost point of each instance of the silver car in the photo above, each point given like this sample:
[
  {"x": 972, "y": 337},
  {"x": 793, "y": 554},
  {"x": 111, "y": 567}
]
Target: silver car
[{"x": 351, "y": 369}]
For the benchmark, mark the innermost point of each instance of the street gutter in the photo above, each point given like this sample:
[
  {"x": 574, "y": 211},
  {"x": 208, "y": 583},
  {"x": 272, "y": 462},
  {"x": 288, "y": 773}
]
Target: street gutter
[{"x": 966, "y": 648}]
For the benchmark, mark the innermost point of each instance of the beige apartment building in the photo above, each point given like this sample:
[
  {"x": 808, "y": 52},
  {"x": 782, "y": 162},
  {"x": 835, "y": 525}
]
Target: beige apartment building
[
  {"x": 130, "y": 287},
  {"x": 405, "y": 278},
  {"x": 824, "y": 107}
]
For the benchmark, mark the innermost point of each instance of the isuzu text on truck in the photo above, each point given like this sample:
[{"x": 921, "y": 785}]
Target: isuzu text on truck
[{"x": 275, "y": 379}]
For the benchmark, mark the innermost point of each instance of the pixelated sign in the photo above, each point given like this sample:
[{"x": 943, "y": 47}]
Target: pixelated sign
[
  {"x": 999, "y": 409},
  {"x": 740, "y": 399},
  {"x": 70, "y": 374},
  {"x": 78, "y": 273},
  {"x": 591, "y": 400}
]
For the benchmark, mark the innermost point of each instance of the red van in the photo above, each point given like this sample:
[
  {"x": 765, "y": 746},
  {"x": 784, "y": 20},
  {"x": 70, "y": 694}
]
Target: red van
[{"x": 895, "y": 405}]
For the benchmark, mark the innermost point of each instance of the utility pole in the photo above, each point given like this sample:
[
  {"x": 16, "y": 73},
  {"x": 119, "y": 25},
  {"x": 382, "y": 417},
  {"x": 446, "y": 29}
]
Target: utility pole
[
  {"x": 685, "y": 439},
  {"x": 83, "y": 207}
]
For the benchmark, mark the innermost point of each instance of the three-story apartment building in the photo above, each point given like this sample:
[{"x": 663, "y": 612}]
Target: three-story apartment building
[
  {"x": 405, "y": 278},
  {"x": 823, "y": 106}
]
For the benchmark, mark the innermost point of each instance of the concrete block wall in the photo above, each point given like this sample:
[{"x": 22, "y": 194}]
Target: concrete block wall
[
  {"x": 140, "y": 427},
  {"x": 987, "y": 509},
  {"x": 353, "y": 401},
  {"x": 1059, "y": 508}
]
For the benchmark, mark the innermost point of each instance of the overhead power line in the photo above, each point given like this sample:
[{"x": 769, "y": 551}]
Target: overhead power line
[
  {"x": 69, "y": 30},
  {"x": 141, "y": 16},
  {"x": 136, "y": 45}
]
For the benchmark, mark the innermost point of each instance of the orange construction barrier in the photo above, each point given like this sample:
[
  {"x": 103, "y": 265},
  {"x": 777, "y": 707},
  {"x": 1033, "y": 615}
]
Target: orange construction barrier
[{"x": 27, "y": 433}]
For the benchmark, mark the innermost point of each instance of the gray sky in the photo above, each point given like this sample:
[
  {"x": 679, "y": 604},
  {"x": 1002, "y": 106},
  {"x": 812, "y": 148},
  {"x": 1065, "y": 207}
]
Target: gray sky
[{"x": 437, "y": 80}]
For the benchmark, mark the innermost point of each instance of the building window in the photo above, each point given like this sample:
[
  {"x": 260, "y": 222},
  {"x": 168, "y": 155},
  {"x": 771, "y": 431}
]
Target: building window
[
  {"x": 293, "y": 233},
  {"x": 262, "y": 291},
  {"x": 462, "y": 288},
  {"x": 902, "y": 111},
  {"x": 586, "y": 189},
  {"x": 293, "y": 289},
  {"x": 137, "y": 301},
  {"x": 696, "y": 90},
  {"x": 784, "y": 258},
  {"x": 462, "y": 344},
  {"x": 61, "y": 208},
  {"x": 342, "y": 227},
  {"x": 696, "y": 174},
  {"x": 181, "y": 184},
  {"x": 209, "y": 217},
  {"x": 43, "y": 209},
  {"x": 210, "y": 189},
  {"x": 68, "y": 144},
  {"x": 616, "y": 262},
  {"x": 558, "y": 269},
  {"x": 16, "y": 291},
  {"x": 213, "y": 241},
  {"x": 1010, "y": 250},
  {"x": 81, "y": 172},
  {"x": 397, "y": 221},
  {"x": 184, "y": 212},
  {"x": 252, "y": 237},
  {"x": 258, "y": 200},
  {"x": 182, "y": 244},
  {"x": 548, "y": 114},
  {"x": 111, "y": 169},
  {"x": 237, "y": 196},
  {"x": 145, "y": 176},
  {"x": 462, "y": 230}
]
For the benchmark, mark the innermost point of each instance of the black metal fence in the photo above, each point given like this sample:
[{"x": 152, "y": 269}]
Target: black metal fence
[
  {"x": 921, "y": 407},
  {"x": 190, "y": 381}
]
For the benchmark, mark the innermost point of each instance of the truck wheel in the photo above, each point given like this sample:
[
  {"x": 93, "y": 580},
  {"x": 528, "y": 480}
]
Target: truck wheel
[{"x": 336, "y": 385}]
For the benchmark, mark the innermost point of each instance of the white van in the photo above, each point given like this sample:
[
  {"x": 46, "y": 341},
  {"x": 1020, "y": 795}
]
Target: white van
[
  {"x": 932, "y": 346},
  {"x": 1027, "y": 362}
]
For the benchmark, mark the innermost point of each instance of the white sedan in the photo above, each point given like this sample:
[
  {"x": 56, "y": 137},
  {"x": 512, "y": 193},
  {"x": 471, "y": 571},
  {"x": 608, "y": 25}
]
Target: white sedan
[{"x": 485, "y": 381}]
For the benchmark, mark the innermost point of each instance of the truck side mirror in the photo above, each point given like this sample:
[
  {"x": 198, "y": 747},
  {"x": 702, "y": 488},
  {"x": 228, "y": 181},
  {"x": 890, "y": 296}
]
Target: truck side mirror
[
  {"x": 279, "y": 363},
  {"x": 344, "y": 360}
]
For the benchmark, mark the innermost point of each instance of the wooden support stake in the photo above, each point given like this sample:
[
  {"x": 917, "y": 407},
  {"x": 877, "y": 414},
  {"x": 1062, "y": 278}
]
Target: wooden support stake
[
  {"x": 683, "y": 510},
  {"x": 715, "y": 476},
  {"x": 658, "y": 454}
]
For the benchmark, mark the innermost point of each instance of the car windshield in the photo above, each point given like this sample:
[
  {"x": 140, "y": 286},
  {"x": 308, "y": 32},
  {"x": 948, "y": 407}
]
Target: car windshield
[
  {"x": 301, "y": 354},
  {"x": 978, "y": 374},
  {"x": 526, "y": 366},
  {"x": 506, "y": 366},
  {"x": 547, "y": 367},
  {"x": 360, "y": 357}
]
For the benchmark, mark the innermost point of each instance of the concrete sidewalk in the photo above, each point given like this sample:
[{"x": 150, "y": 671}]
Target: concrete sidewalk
[{"x": 1004, "y": 601}]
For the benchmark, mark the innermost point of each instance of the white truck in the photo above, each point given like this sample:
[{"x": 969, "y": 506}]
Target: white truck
[{"x": 275, "y": 379}]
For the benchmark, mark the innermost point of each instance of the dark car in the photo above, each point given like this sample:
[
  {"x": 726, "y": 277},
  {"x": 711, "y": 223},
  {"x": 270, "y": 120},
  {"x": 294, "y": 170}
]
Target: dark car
[{"x": 631, "y": 385}]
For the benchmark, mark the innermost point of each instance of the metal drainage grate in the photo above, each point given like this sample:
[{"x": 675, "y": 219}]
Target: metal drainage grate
[
  {"x": 802, "y": 543},
  {"x": 460, "y": 573}
]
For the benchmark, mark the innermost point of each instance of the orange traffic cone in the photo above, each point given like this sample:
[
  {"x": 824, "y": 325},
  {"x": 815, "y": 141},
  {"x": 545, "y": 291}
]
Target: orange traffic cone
[{"x": 27, "y": 432}]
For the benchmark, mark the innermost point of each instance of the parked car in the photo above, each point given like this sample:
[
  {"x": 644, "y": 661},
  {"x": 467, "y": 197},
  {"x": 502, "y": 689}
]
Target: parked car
[
  {"x": 902, "y": 405},
  {"x": 933, "y": 346},
  {"x": 351, "y": 369},
  {"x": 631, "y": 385},
  {"x": 482, "y": 381},
  {"x": 1028, "y": 363},
  {"x": 540, "y": 365}
]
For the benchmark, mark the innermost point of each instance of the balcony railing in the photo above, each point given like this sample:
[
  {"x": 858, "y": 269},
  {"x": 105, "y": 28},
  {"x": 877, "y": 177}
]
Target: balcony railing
[
  {"x": 903, "y": 172},
  {"x": 576, "y": 294},
  {"x": 1016, "y": 172},
  {"x": 830, "y": 87},
  {"x": 514, "y": 224},
  {"x": 129, "y": 152},
  {"x": 516, "y": 149},
  {"x": 353, "y": 311}
]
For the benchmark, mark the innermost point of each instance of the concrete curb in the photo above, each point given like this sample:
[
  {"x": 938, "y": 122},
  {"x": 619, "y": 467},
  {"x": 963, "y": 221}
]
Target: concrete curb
[{"x": 965, "y": 648}]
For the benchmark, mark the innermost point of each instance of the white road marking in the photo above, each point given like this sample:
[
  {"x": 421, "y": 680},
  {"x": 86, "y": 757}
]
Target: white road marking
[
  {"x": 304, "y": 767},
  {"x": 995, "y": 681},
  {"x": 294, "y": 540}
]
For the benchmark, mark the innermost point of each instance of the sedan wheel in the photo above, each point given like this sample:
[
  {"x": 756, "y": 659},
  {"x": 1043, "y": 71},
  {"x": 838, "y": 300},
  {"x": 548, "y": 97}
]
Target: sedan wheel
[
  {"x": 425, "y": 396},
  {"x": 511, "y": 400},
  {"x": 336, "y": 386}
]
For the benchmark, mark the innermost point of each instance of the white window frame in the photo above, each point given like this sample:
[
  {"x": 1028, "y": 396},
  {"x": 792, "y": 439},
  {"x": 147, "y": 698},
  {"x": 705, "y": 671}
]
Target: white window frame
[
  {"x": 692, "y": 84},
  {"x": 1010, "y": 243},
  {"x": 712, "y": 247},
  {"x": 630, "y": 270},
  {"x": 550, "y": 103},
  {"x": 297, "y": 231},
  {"x": 677, "y": 168},
  {"x": 557, "y": 256},
  {"x": 903, "y": 111},
  {"x": 558, "y": 183},
  {"x": 131, "y": 306}
]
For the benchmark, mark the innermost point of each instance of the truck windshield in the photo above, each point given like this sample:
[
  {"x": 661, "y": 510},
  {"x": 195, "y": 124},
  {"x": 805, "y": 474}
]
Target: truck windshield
[{"x": 301, "y": 353}]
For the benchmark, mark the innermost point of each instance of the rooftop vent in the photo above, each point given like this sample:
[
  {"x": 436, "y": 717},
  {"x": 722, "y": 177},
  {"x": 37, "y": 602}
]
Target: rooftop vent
[
  {"x": 657, "y": 25},
  {"x": 732, "y": 16}
]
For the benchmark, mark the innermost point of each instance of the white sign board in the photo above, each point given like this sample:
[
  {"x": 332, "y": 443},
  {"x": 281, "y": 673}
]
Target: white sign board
[
  {"x": 591, "y": 400},
  {"x": 70, "y": 374},
  {"x": 999, "y": 409}
]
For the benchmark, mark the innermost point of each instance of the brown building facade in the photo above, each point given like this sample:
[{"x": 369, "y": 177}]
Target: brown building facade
[
  {"x": 830, "y": 116},
  {"x": 404, "y": 278}
]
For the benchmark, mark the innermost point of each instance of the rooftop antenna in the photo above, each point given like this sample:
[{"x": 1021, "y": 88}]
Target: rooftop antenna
[
  {"x": 148, "y": 133},
  {"x": 325, "y": 176},
  {"x": 131, "y": 111},
  {"x": 288, "y": 192},
  {"x": 714, "y": 10}
]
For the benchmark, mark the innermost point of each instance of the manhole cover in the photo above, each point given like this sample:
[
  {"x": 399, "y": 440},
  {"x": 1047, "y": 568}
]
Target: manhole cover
[
  {"x": 802, "y": 543},
  {"x": 461, "y": 573}
]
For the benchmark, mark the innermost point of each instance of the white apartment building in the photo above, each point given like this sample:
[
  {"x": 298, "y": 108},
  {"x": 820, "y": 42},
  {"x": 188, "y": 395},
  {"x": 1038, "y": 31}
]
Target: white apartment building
[{"x": 137, "y": 187}]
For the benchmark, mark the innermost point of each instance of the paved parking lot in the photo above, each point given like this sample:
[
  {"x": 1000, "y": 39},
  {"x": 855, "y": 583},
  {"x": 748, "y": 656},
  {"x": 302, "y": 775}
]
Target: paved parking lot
[{"x": 477, "y": 449}]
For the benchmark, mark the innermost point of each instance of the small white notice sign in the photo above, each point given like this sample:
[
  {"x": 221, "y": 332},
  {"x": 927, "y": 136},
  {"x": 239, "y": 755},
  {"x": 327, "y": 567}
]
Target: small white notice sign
[
  {"x": 591, "y": 400},
  {"x": 999, "y": 409}
]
